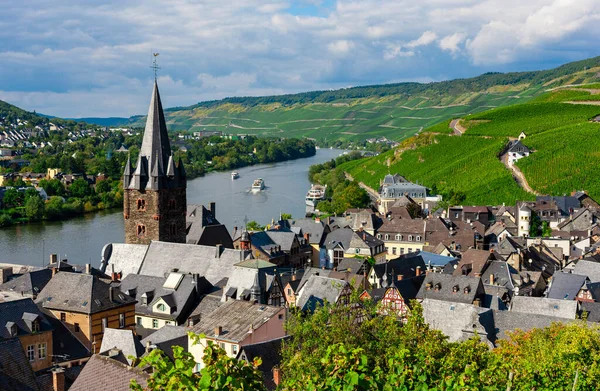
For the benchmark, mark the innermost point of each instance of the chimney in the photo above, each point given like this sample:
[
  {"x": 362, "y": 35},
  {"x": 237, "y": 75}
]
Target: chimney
[
  {"x": 306, "y": 237},
  {"x": 418, "y": 271},
  {"x": 148, "y": 346},
  {"x": 53, "y": 258},
  {"x": 276, "y": 376},
  {"x": 294, "y": 277},
  {"x": 400, "y": 277},
  {"x": 54, "y": 270},
  {"x": 218, "y": 250},
  {"x": 5, "y": 273},
  {"x": 213, "y": 209},
  {"x": 111, "y": 294},
  {"x": 328, "y": 220},
  {"x": 218, "y": 331},
  {"x": 58, "y": 379},
  {"x": 88, "y": 268},
  {"x": 491, "y": 279}
]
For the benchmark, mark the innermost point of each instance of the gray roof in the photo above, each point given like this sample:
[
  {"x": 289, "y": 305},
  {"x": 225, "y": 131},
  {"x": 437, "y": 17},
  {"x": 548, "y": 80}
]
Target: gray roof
[
  {"x": 242, "y": 279},
  {"x": 236, "y": 317},
  {"x": 590, "y": 269},
  {"x": 502, "y": 273},
  {"x": 566, "y": 309},
  {"x": 309, "y": 271},
  {"x": 30, "y": 283},
  {"x": 204, "y": 228},
  {"x": 21, "y": 313},
  {"x": 76, "y": 292},
  {"x": 341, "y": 236},
  {"x": 405, "y": 266},
  {"x": 592, "y": 309},
  {"x": 166, "y": 337},
  {"x": 565, "y": 286},
  {"x": 506, "y": 321},
  {"x": 319, "y": 289},
  {"x": 400, "y": 189},
  {"x": 163, "y": 257},
  {"x": 283, "y": 239},
  {"x": 459, "y": 321},
  {"x": 179, "y": 299},
  {"x": 316, "y": 230},
  {"x": 15, "y": 371},
  {"x": 270, "y": 354},
  {"x": 103, "y": 373},
  {"x": 354, "y": 265},
  {"x": 124, "y": 340},
  {"x": 125, "y": 258},
  {"x": 450, "y": 288}
]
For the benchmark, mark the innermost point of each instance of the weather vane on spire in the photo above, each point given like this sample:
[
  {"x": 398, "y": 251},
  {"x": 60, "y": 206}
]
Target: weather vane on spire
[{"x": 155, "y": 65}]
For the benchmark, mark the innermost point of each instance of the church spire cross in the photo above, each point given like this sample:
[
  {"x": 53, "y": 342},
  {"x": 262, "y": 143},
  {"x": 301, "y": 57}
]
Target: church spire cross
[{"x": 154, "y": 65}]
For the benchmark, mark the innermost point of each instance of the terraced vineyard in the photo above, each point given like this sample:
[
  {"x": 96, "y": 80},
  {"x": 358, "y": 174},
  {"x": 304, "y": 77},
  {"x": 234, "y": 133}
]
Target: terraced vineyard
[
  {"x": 395, "y": 111},
  {"x": 565, "y": 141}
]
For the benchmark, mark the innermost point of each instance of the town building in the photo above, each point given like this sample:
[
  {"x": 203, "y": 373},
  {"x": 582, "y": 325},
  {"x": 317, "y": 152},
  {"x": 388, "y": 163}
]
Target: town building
[
  {"x": 345, "y": 243},
  {"x": 154, "y": 198}
]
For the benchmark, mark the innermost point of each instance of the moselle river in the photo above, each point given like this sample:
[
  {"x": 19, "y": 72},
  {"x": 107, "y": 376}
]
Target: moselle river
[{"x": 80, "y": 240}]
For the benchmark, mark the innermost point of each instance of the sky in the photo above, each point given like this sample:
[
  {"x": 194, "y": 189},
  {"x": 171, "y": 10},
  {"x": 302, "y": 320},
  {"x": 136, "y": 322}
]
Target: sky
[{"x": 85, "y": 58}]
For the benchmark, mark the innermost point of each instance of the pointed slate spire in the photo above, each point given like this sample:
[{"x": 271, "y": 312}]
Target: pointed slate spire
[
  {"x": 181, "y": 169},
  {"x": 155, "y": 144},
  {"x": 255, "y": 290},
  {"x": 127, "y": 173},
  {"x": 139, "y": 175},
  {"x": 171, "y": 167}
]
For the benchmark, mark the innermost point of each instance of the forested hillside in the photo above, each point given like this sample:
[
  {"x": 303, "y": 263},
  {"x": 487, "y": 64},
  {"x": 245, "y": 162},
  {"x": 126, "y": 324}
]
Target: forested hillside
[
  {"x": 395, "y": 111},
  {"x": 560, "y": 130}
]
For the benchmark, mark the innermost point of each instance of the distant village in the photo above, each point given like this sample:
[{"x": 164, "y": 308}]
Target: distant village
[{"x": 475, "y": 270}]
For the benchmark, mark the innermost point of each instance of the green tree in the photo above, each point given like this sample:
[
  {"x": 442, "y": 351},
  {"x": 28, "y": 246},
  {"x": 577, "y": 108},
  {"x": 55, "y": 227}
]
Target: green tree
[
  {"x": 254, "y": 226},
  {"x": 286, "y": 216},
  {"x": 80, "y": 188},
  {"x": 34, "y": 208},
  {"x": 13, "y": 198},
  {"x": 220, "y": 372},
  {"x": 53, "y": 187}
]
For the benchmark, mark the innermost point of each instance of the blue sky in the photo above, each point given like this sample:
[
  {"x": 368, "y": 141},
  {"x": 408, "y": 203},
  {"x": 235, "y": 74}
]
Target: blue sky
[{"x": 91, "y": 58}]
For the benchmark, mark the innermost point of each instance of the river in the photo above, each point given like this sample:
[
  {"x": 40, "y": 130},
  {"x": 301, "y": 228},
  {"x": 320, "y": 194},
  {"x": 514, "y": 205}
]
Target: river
[{"x": 80, "y": 240}]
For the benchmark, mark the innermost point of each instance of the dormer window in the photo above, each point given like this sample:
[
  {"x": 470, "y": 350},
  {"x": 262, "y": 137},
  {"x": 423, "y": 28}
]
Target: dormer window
[
  {"x": 161, "y": 307},
  {"x": 144, "y": 300},
  {"x": 35, "y": 326},
  {"x": 12, "y": 328},
  {"x": 418, "y": 238},
  {"x": 397, "y": 237},
  {"x": 410, "y": 238}
]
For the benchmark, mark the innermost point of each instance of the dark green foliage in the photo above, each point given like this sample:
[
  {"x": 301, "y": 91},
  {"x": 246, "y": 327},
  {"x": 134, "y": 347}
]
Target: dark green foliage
[
  {"x": 34, "y": 208},
  {"x": 221, "y": 373}
]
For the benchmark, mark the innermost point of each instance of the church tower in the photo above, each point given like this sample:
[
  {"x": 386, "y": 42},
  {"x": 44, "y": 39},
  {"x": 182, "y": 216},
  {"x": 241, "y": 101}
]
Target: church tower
[{"x": 154, "y": 199}]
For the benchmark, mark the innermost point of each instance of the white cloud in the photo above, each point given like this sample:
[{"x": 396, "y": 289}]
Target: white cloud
[
  {"x": 451, "y": 43},
  {"x": 59, "y": 56}
]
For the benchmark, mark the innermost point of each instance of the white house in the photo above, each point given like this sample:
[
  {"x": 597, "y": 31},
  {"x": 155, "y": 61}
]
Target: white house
[{"x": 517, "y": 151}]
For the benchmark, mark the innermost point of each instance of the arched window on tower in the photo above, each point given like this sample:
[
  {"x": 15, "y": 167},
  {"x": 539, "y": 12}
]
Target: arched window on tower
[
  {"x": 172, "y": 204},
  {"x": 141, "y": 230},
  {"x": 173, "y": 229},
  {"x": 141, "y": 204}
]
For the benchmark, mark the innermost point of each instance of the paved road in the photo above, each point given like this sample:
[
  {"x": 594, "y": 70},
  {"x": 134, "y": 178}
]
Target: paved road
[{"x": 455, "y": 126}]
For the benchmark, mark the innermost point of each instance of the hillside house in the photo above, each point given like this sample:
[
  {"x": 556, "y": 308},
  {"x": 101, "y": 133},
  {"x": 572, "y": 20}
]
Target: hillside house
[{"x": 517, "y": 150}]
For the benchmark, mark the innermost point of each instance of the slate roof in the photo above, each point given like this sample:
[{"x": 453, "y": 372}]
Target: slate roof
[
  {"x": 235, "y": 317},
  {"x": 459, "y": 321},
  {"x": 30, "y": 283},
  {"x": 84, "y": 293},
  {"x": 163, "y": 257},
  {"x": 543, "y": 306},
  {"x": 166, "y": 337},
  {"x": 126, "y": 258},
  {"x": 502, "y": 273},
  {"x": 592, "y": 309},
  {"x": 65, "y": 346},
  {"x": 15, "y": 371},
  {"x": 316, "y": 230},
  {"x": 405, "y": 266},
  {"x": 270, "y": 354},
  {"x": 21, "y": 313},
  {"x": 309, "y": 271},
  {"x": 341, "y": 236},
  {"x": 395, "y": 224},
  {"x": 103, "y": 373},
  {"x": 242, "y": 279},
  {"x": 319, "y": 289},
  {"x": 565, "y": 203},
  {"x": 446, "y": 285},
  {"x": 433, "y": 259},
  {"x": 565, "y": 286},
  {"x": 507, "y": 321},
  {"x": 124, "y": 340},
  {"x": 591, "y": 269},
  {"x": 285, "y": 239},
  {"x": 355, "y": 265}
]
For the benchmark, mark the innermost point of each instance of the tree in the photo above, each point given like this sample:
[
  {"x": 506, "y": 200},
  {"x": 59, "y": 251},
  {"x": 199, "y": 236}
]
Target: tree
[
  {"x": 254, "y": 226},
  {"x": 220, "y": 372},
  {"x": 103, "y": 186},
  {"x": 80, "y": 188},
  {"x": 286, "y": 216},
  {"x": 31, "y": 192},
  {"x": 13, "y": 198},
  {"x": 34, "y": 208},
  {"x": 53, "y": 187}
]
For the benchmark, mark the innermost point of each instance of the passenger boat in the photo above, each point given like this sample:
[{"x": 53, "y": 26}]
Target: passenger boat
[
  {"x": 235, "y": 175},
  {"x": 315, "y": 194},
  {"x": 258, "y": 184}
]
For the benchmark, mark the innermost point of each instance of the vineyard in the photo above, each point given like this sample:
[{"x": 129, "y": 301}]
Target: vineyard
[
  {"x": 565, "y": 142},
  {"x": 395, "y": 111}
]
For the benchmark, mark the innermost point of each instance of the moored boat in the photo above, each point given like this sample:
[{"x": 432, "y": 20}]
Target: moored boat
[{"x": 315, "y": 194}]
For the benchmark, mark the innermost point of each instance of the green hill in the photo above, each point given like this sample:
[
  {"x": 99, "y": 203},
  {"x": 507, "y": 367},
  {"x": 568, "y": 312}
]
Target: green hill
[
  {"x": 563, "y": 136},
  {"x": 396, "y": 111}
]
